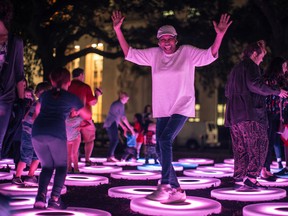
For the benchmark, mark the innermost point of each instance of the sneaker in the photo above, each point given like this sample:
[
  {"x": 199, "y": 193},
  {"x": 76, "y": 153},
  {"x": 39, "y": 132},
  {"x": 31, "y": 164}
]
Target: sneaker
[
  {"x": 40, "y": 202},
  {"x": 31, "y": 181},
  {"x": 245, "y": 188},
  {"x": 88, "y": 163},
  {"x": 175, "y": 197},
  {"x": 255, "y": 185},
  {"x": 17, "y": 181},
  {"x": 112, "y": 159},
  {"x": 53, "y": 204},
  {"x": 161, "y": 193},
  {"x": 284, "y": 171}
]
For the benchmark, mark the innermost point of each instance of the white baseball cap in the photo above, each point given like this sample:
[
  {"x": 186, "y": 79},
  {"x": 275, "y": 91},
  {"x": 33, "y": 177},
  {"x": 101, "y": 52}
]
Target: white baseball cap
[{"x": 166, "y": 30}]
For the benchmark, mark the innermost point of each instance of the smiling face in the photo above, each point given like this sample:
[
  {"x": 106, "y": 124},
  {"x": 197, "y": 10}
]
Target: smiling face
[{"x": 168, "y": 43}]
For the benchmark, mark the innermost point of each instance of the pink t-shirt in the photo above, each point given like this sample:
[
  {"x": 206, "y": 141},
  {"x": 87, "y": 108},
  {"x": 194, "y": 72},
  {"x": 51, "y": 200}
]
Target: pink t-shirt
[{"x": 172, "y": 77}]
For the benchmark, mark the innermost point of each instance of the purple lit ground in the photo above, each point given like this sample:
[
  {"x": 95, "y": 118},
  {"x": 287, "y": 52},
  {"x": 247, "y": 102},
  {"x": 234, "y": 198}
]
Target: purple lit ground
[{"x": 96, "y": 197}]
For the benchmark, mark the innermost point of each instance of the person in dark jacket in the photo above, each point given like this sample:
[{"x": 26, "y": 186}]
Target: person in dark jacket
[
  {"x": 246, "y": 115},
  {"x": 11, "y": 69}
]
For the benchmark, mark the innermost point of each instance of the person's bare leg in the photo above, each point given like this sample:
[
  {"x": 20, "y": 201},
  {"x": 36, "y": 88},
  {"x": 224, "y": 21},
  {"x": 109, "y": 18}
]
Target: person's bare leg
[
  {"x": 20, "y": 167},
  {"x": 69, "y": 156},
  {"x": 33, "y": 167},
  {"x": 75, "y": 149},
  {"x": 88, "y": 147}
]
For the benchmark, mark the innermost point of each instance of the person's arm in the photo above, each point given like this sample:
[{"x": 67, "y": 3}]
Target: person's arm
[
  {"x": 220, "y": 29},
  {"x": 118, "y": 19},
  {"x": 126, "y": 122},
  {"x": 85, "y": 113},
  {"x": 20, "y": 89}
]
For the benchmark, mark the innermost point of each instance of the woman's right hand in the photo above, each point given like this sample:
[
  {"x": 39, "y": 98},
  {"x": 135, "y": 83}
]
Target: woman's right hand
[{"x": 117, "y": 19}]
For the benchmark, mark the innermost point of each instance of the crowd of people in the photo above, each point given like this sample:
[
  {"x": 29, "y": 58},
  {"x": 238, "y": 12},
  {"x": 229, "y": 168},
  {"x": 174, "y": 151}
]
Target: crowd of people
[{"x": 57, "y": 117}]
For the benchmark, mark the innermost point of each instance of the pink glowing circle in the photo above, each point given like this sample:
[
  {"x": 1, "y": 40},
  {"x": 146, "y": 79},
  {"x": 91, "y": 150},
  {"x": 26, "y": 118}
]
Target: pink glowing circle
[
  {"x": 25, "y": 173},
  {"x": 100, "y": 169},
  {"x": 76, "y": 211},
  {"x": 199, "y": 161},
  {"x": 192, "y": 206},
  {"x": 193, "y": 183},
  {"x": 122, "y": 163},
  {"x": 95, "y": 159},
  {"x": 142, "y": 160},
  {"x": 136, "y": 175},
  {"x": 224, "y": 165},
  {"x": 248, "y": 196},
  {"x": 7, "y": 161},
  {"x": 157, "y": 167},
  {"x": 85, "y": 180},
  {"x": 131, "y": 192},
  {"x": 213, "y": 168},
  {"x": 280, "y": 182},
  {"x": 15, "y": 190},
  {"x": 21, "y": 202},
  {"x": 266, "y": 209},
  {"x": 6, "y": 176},
  {"x": 207, "y": 173},
  {"x": 229, "y": 161}
]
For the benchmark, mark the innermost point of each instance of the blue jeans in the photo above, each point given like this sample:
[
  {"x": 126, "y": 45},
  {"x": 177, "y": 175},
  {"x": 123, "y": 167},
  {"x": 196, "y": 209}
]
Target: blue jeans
[
  {"x": 167, "y": 128},
  {"x": 5, "y": 113},
  {"x": 27, "y": 153},
  {"x": 52, "y": 153},
  {"x": 112, "y": 132}
]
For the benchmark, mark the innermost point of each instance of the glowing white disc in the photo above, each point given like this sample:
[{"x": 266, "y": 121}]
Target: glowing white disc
[
  {"x": 21, "y": 202},
  {"x": 85, "y": 180},
  {"x": 7, "y": 166},
  {"x": 15, "y": 190},
  {"x": 95, "y": 159},
  {"x": 136, "y": 175},
  {"x": 185, "y": 165},
  {"x": 213, "y": 168},
  {"x": 224, "y": 165},
  {"x": 6, "y": 176},
  {"x": 229, "y": 161},
  {"x": 100, "y": 169},
  {"x": 276, "y": 163},
  {"x": 192, "y": 206},
  {"x": 157, "y": 167},
  {"x": 280, "y": 182},
  {"x": 131, "y": 192},
  {"x": 207, "y": 173},
  {"x": 122, "y": 163},
  {"x": 7, "y": 161},
  {"x": 266, "y": 209},
  {"x": 248, "y": 196},
  {"x": 77, "y": 211},
  {"x": 199, "y": 161},
  {"x": 193, "y": 183}
]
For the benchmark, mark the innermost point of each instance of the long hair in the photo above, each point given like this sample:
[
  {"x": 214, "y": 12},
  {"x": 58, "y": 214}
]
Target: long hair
[
  {"x": 274, "y": 71},
  {"x": 59, "y": 76}
]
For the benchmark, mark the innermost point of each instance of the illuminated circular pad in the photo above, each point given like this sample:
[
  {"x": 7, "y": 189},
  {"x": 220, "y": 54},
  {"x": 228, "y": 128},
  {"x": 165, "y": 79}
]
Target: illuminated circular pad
[
  {"x": 131, "y": 192},
  {"x": 122, "y": 163},
  {"x": 7, "y": 161},
  {"x": 100, "y": 169},
  {"x": 248, "y": 196},
  {"x": 199, "y": 161},
  {"x": 6, "y": 176},
  {"x": 266, "y": 209},
  {"x": 229, "y": 161},
  {"x": 157, "y": 167},
  {"x": 95, "y": 159},
  {"x": 280, "y": 182},
  {"x": 15, "y": 190},
  {"x": 224, "y": 165},
  {"x": 77, "y": 211},
  {"x": 85, "y": 180},
  {"x": 192, "y": 206},
  {"x": 136, "y": 175},
  {"x": 185, "y": 165},
  {"x": 213, "y": 168},
  {"x": 21, "y": 202},
  {"x": 193, "y": 183},
  {"x": 207, "y": 173}
]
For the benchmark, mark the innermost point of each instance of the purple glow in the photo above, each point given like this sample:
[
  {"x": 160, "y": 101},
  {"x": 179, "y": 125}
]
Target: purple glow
[
  {"x": 100, "y": 169},
  {"x": 131, "y": 192},
  {"x": 266, "y": 209},
  {"x": 200, "y": 161},
  {"x": 136, "y": 175},
  {"x": 207, "y": 173}
]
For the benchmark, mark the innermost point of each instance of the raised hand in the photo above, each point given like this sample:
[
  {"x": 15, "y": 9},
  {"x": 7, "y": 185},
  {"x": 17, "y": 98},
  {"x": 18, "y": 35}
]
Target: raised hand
[
  {"x": 223, "y": 24},
  {"x": 117, "y": 19}
]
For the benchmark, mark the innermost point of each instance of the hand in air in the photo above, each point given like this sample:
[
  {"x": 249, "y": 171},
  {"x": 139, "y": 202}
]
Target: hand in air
[
  {"x": 223, "y": 24},
  {"x": 117, "y": 19},
  {"x": 283, "y": 93}
]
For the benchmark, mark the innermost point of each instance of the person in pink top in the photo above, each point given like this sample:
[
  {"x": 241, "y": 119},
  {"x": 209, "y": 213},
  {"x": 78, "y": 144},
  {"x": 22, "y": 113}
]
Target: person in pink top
[{"x": 173, "y": 95}]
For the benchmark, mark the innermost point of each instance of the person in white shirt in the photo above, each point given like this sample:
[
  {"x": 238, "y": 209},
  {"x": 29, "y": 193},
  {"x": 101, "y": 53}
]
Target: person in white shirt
[{"x": 173, "y": 95}]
